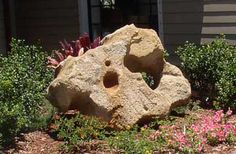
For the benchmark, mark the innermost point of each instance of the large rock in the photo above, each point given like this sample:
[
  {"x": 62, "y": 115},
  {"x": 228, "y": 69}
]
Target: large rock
[{"x": 107, "y": 81}]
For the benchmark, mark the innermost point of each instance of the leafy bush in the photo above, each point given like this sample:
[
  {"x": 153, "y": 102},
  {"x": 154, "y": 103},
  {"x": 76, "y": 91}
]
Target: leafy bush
[
  {"x": 23, "y": 79},
  {"x": 211, "y": 69}
]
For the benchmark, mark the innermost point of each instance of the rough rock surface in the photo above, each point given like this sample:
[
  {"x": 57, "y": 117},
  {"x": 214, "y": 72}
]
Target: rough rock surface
[{"x": 107, "y": 81}]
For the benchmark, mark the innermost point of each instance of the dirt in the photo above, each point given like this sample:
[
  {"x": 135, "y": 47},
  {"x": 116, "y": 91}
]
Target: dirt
[{"x": 37, "y": 142}]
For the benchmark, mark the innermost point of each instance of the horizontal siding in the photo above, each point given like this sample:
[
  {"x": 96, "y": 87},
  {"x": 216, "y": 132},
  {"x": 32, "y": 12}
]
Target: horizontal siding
[
  {"x": 47, "y": 22},
  {"x": 44, "y": 22},
  {"x": 193, "y": 6},
  {"x": 200, "y": 17},
  {"x": 181, "y": 6},
  {"x": 173, "y": 18},
  {"x": 48, "y": 13},
  {"x": 219, "y": 7},
  {"x": 221, "y": 15},
  {"x": 220, "y": 18},
  {"x": 2, "y": 30},
  {"x": 182, "y": 21},
  {"x": 216, "y": 29},
  {"x": 198, "y": 21},
  {"x": 46, "y": 4}
]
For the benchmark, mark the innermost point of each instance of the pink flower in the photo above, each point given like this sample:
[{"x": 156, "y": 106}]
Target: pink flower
[
  {"x": 228, "y": 127},
  {"x": 181, "y": 138},
  {"x": 200, "y": 148},
  {"x": 229, "y": 112},
  {"x": 221, "y": 135},
  {"x": 218, "y": 116},
  {"x": 155, "y": 135}
]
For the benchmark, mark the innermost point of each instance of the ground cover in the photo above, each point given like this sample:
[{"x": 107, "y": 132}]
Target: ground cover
[{"x": 175, "y": 134}]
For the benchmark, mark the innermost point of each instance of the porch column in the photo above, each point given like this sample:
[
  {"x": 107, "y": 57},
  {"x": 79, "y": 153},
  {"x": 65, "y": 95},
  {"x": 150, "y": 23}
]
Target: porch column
[{"x": 160, "y": 20}]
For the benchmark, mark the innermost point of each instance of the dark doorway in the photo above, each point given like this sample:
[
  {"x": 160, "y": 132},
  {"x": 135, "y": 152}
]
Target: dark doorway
[{"x": 105, "y": 16}]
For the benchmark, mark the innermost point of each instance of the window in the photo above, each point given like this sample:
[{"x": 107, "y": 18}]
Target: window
[{"x": 105, "y": 16}]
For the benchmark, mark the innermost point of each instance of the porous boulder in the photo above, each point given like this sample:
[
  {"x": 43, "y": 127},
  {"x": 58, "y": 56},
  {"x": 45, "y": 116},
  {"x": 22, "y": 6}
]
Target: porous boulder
[{"x": 107, "y": 81}]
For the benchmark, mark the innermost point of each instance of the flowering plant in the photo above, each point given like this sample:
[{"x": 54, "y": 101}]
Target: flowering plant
[
  {"x": 209, "y": 129},
  {"x": 76, "y": 48}
]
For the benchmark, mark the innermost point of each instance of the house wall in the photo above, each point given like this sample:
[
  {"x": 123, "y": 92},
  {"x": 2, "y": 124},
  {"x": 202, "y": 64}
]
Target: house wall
[
  {"x": 47, "y": 21},
  {"x": 2, "y": 30},
  {"x": 198, "y": 21}
]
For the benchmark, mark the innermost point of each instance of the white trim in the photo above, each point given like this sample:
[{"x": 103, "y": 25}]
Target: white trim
[
  {"x": 160, "y": 20},
  {"x": 83, "y": 16}
]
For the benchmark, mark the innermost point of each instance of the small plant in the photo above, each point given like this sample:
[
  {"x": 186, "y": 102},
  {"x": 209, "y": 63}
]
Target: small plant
[
  {"x": 211, "y": 70},
  {"x": 23, "y": 80},
  {"x": 76, "y": 48},
  {"x": 78, "y": 129},
  {"x": 134, "y": 141}
]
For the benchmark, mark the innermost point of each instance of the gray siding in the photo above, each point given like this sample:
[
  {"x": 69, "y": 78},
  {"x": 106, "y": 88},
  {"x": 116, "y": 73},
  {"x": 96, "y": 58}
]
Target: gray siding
[
  {"x": 47, "y": 21},
  {"x": 198, "y": 21},
  {"x": 2, "y": 30}
]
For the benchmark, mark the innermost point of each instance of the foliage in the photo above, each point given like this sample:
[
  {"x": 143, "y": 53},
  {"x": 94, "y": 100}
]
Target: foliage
[
  {"x": 23, "y": 79},
  {"x": 166, "y": 54},
  {"x": 76, "y": 48},
  {"x": 211, "y": 69},
  {"x": 209, "y": 129},
  {"x": 189, "y": 135},
  {"x": 149, "y": 79},
  {"x": 79, "y": 128},
  {"x": 134, "y": 141}
]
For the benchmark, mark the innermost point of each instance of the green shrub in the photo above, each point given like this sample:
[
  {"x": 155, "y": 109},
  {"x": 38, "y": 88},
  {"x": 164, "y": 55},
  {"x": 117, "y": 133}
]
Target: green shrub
[
  {"x": 23, "y": 80},
  {"x": 211, "y": 69}
]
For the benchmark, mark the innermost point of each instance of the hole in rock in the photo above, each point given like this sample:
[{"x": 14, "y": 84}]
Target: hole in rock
[
  {"x": 108, "y": 63},
  {"x": 110, "y": 80},
  {"x": 149, "y": 79},
  {"x": 148, "y": 66},
  {"x": 145, "y": 120}
]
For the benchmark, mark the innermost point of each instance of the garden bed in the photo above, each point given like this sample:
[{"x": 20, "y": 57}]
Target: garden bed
[{"x": 44, "y": 142}]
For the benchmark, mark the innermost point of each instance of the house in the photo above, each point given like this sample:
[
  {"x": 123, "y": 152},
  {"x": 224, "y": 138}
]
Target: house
[{"x": 176, "y": 21}]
